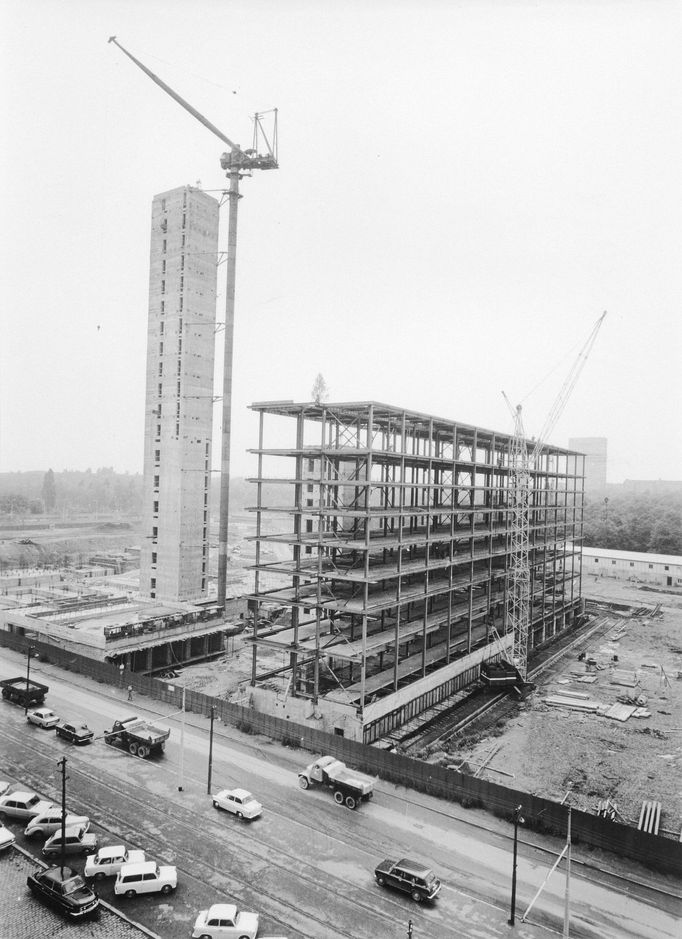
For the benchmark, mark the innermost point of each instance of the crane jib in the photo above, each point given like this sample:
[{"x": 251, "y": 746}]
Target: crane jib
[{"x": 181, "y": 101}]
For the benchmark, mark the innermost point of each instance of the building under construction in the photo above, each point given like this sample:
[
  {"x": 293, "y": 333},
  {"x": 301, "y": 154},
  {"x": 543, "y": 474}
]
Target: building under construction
[{"x": 383, "y": 544}]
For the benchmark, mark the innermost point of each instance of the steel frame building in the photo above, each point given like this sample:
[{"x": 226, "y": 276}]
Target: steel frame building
[{"x": 396, "y": 536}]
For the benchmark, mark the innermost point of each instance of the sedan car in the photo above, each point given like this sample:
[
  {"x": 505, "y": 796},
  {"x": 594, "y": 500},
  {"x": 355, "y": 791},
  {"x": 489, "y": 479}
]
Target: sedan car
[
  {"x": 6, "y": 838},
  {"x": 225, "y": 921},
  {"x": 238, "y": 801},
  {"x": 42, "y": 717},
  {"x": 43, "y": 825},
  {"x": 65, "y": 890},
  {"x": 109, "y": 861},
  {"x": 77, "y": 840},
  {"x": 74, "y": 733},
  {"x": 24, "y": 805}
]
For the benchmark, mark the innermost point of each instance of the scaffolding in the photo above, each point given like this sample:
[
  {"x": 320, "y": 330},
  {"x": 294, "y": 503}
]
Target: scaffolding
[{"x": 391, "y": 534}]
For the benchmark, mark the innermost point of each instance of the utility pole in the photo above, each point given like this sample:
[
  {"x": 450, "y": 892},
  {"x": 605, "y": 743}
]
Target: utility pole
[
  {"x": 567, "y": 903},
  {"x": 28, "y": 672},
  {"x": 62, "y": 765},
  {"x": 181, "y": 764},
  {"x": 210, "y": 750},
  {"x": 517, "y": 819}
]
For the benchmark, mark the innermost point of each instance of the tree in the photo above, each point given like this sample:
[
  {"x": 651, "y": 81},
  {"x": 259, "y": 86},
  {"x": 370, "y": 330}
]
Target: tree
[
  {"x": 49, "y": 491},
  {"x": 319, "y": 392}
]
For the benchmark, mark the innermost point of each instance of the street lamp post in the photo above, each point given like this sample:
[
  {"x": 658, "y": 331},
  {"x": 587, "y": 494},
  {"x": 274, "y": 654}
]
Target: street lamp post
[
  {"x": 517, "y": 819},
  {"x": 28, "y": 674},
  {"x": 210, "y": 750}
]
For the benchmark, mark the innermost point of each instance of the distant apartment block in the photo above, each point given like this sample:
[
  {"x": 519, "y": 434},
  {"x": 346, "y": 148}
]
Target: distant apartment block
[
  {"x": 179, "y": 395},
  {"x": 594, "y": 449}
]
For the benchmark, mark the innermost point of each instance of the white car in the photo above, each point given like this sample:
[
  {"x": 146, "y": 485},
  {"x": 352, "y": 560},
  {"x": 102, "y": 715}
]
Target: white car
[
  {"x": 42, "y": 717},
  {"x": 145, "y": 877},
  {"x": 109, "y": 861},
  {"x": 22, "y": 805},
  {"x": 45, "y": 824},
  {"x": 225, "y": 921},
  {"x": 6, "y": 838},
  {"x": 238, "y": 801}
]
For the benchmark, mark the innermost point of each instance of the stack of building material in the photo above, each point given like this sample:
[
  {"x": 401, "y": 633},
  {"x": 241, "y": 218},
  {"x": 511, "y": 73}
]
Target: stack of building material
[
  {"x": 568, "y": 701},
  {"x": 650, "y": 817},
  {"x": 624, "y": 676}
]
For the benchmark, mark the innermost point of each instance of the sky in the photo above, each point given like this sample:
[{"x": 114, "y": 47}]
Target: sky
[{"x": 464, "y": 188}]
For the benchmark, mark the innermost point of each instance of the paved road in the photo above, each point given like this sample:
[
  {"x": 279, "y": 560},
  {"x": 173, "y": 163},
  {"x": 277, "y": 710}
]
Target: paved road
[{"x": 306, "y": 865}]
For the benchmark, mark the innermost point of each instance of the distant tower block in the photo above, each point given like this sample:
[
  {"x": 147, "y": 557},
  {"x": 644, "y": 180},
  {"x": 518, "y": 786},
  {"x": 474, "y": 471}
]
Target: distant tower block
[
  {"x": 594, "y": 449},
  {"x": 179, "y": 395}
]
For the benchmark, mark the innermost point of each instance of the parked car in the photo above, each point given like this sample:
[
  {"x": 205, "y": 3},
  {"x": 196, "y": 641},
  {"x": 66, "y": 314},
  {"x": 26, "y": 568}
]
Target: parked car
[
  {"x": 411, "y": 877},
  {"x": 43, "y": 825},
  {"x": 77, "y": 840},
  {"x": 75, "y": 733},
  {"x": 65, "y": 890},
  {"x": 145, "y": 877},
  {"x": 109, "y": 860},
  {"x": 6, "y": 838},
  {"x": 24, "y": 805},
  {"x": 225, "y": 921},
  {"x": 238, "y": 801},
  {"x": 42, "y": 717}
]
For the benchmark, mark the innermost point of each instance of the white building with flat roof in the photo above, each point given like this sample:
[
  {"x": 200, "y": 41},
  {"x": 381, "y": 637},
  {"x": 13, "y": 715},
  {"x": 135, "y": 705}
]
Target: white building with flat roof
[
  {"x": 664, "y": 570},
  {"x": 179, "y": 395}
]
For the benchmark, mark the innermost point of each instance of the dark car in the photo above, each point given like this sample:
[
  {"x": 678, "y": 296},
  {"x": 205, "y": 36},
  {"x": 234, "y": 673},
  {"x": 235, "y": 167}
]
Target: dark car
[
  {"x": 411, "y": 877},
  {"x": 65, "y": 890},
  {"x": 76, "y": 733}
]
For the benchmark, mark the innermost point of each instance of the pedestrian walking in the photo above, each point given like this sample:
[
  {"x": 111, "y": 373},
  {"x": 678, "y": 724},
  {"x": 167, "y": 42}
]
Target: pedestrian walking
[{"x": 130, "y": 692}]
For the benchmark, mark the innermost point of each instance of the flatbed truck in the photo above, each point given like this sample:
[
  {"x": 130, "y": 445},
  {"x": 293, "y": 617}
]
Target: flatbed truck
[{"x": 26, "y": 693}]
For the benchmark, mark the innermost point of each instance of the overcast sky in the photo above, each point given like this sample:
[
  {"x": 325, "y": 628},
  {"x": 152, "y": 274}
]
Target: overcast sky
[{"x": 464, "y": 187}]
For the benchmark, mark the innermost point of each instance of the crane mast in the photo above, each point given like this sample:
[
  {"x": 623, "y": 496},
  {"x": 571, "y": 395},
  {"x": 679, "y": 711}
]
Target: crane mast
[
  {"x": 522, "y": 465},
  {"x": 237, "y": 163}
]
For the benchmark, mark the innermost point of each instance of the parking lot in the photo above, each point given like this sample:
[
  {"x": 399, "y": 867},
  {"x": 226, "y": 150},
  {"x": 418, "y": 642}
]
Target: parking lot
[{"x": 24, "y": 917}]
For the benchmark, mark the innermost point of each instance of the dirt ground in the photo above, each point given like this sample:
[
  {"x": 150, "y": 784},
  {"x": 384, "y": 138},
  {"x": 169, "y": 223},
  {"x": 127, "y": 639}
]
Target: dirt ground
[{"x": 547, "y": 750}]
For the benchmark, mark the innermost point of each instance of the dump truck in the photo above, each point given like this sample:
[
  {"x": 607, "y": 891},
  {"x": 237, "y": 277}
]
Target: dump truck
[
  {"x": 26, "y": 693},
  {"x": 350, "y": 787},
  {"x": 139, "y": 736}
]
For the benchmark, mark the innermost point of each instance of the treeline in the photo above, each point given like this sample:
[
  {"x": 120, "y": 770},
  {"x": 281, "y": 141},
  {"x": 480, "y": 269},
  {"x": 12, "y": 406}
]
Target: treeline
[
  {"x": 70, "y": 492},
  {"x": 649, "y": 523}
]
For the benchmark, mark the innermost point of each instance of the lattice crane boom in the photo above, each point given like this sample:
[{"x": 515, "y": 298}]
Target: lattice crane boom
[
  {"x": 518, "y": 605},
  {"x": 237, "y": 163}
]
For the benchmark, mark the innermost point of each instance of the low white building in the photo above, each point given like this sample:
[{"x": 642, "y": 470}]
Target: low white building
[{"x": 665, "y": 570}]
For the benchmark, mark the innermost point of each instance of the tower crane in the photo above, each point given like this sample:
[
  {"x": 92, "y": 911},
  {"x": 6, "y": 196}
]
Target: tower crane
[
  {"x": 522, "y": 466},
  {"x": 237, "y": 163}
]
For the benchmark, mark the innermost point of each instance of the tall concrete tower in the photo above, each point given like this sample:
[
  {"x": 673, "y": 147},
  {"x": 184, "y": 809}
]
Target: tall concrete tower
[{"x": 179, "y": 395}]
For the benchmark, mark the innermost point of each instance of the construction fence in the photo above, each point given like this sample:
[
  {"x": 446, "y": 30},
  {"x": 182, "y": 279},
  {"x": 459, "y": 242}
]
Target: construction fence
[{"x": 539, "y": 814}]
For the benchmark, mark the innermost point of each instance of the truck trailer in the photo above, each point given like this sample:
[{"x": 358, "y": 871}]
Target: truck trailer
[{"x": 349, "y": 787}]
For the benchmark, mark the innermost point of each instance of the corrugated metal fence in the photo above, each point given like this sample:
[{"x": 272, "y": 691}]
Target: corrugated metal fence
[{"x": 540, "y": 814}]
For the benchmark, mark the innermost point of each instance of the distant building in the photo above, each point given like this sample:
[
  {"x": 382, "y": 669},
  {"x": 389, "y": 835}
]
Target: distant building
[
  {"x": 664, "y": 570},
  {"x": 594, "y": 449},
  {"x": 179, "y": 395},
  {"x": 656, "y": 486}
]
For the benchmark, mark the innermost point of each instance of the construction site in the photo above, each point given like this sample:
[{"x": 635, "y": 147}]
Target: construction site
[{"x": 399, "y": 531}]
